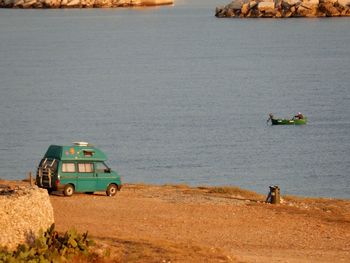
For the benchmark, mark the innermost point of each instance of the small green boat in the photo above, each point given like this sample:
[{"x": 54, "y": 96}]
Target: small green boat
[{"x": 293, "y": 121}]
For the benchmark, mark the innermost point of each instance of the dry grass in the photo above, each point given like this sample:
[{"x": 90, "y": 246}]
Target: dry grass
[
  {"x": 177, "y": 186},
  {"x": 335, "y": 209},
  {"x": 232, "y": 191}
]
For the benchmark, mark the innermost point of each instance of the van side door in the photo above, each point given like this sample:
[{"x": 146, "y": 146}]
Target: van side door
[
  {"x": 68, "y": 173},
  {"x": 103, "y": 174},
  {"x": 86, "y": 180}
]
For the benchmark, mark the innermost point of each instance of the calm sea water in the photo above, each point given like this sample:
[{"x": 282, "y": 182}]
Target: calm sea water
[{"x": 175, "y": 95}]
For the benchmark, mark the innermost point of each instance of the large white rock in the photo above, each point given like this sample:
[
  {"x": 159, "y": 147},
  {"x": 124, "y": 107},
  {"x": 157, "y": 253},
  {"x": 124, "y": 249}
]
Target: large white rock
[{"x": 23, "y": 214}]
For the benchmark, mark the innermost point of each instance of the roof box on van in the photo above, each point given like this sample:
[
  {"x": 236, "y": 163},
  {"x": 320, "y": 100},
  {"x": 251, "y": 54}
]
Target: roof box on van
[
  {"x": 81, "y": 143},
  {"x": 81, "y": 151}
]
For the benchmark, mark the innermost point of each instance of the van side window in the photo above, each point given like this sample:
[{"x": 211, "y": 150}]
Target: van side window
[
  {"x": 85, "y": 167},
  {"x": 100, "y": 167},
  {"x": 68, "y": 167}
]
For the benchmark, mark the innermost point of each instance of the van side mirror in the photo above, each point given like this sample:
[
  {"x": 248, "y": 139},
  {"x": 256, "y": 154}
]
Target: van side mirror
[{"x": 107, "y": 170}]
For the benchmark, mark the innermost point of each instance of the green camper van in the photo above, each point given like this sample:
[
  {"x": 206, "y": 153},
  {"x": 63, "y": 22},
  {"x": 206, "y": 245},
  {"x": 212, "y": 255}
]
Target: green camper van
[{"x": 77, "y": 168}]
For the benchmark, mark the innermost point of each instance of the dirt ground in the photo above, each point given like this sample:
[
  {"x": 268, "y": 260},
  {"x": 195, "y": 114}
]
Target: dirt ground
[{"x": 148, "y": 223}]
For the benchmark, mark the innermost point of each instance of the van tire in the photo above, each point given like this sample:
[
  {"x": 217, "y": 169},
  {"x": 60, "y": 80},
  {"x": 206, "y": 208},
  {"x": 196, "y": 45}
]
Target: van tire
[
  {"x": 68, "y": 190},
  {"x": 112, "y": 190}
]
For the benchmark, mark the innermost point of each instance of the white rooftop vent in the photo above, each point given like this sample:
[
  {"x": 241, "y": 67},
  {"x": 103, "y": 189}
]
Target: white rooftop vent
[{"x": 81, "y": 143}]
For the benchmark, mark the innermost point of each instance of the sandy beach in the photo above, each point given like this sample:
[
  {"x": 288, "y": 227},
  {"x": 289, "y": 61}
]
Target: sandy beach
[{"x": 177, "y": 223}]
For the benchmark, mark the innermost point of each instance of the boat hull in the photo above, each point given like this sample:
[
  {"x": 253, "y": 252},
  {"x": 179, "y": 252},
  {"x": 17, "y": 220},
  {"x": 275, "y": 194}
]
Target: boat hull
[{"x": 289, "y": 122}]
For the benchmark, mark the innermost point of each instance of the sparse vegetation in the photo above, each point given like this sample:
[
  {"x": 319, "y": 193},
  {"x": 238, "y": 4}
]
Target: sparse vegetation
[
  {"x": 179, "y": 186},
  {"x": 233, "y": 191},
  {"x": 50, "y": 246}
]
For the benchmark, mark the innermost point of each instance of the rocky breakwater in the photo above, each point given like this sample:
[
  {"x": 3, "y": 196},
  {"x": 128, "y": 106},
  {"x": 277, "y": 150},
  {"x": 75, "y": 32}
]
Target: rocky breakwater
[
  {"x": 284, "y": 8},
  {"x": 24, "y": 210},
  {"x": 80, "y": 3}
]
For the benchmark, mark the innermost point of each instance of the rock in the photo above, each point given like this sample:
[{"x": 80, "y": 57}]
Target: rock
[
  {"x": 18, "y": 3},
  {"x": 278, "y": 14},
  {"x": 73, "y": 3},
  {"x": 9, "y": 3},
  {"x": 307, "y": 10},
  {"x": 284, "y": 8},
  {"x": 252, "y": 4},
  {"x": 311, "y": 2},
  {"x": 344, "y": 3},
  {"x": 52, "y": 3},
  {"x": 267, "y": 9},
  {"x": 230, "y": 13},
  {"x": 155, "y": 2},
  {"x": 128, "y": 3},
  {"x": 291, "y": 2},
  {"x": 38, "y": 4},
  {"x": 23, "y": 213},
  {"x": 103, "y": 3},
  {"x": 235, "y": 5},
  {"x": 253, "y": 13},
  {"x": 29, "y": 3},
  {"x": 266, "y": 6},
  {"x": 329, "y": 1},
  {"x": 328, "y": 9},
  {"x": 218, "y": 11},
  {"x": 245, "y": 9},
  {"x": 278, "y": 4},
  {"x": 288, "y": 14}
]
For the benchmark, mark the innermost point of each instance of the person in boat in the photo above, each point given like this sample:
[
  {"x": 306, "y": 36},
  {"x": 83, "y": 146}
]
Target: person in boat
[
  {"x": 270, "y": 117},
  {"x": 299, "y": 116}
]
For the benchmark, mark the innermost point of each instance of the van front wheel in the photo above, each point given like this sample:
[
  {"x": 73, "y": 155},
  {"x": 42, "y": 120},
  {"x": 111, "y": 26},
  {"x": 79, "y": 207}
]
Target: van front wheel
[
  {"x": 112, "y": 190},
  {"x": 68, "y": 190}
]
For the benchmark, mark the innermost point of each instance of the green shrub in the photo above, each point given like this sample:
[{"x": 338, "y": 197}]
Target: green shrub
[{"x": 50, "y": 247}]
